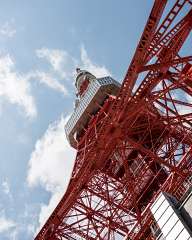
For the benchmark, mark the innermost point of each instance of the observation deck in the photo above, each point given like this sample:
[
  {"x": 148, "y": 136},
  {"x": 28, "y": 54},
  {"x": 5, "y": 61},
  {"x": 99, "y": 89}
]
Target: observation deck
[{"x": 92, "y": 92}]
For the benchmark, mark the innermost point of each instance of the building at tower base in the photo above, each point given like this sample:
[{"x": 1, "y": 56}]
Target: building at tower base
[{"x": 173, "y": 220}]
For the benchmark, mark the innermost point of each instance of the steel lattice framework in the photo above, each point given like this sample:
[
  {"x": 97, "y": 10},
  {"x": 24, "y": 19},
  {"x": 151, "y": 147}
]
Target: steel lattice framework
[{"x": 138, "y": 144}]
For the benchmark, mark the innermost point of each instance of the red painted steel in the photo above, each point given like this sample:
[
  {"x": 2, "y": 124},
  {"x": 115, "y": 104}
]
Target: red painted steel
[{"x": 138, "y": 144}]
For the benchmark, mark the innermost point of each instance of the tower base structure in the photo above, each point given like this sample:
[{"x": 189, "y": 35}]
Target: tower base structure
[{"x": 132, "y": 175}]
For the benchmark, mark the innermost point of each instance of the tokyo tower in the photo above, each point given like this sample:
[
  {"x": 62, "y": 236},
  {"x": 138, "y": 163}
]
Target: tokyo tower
[{"x": 132, "y": 177}]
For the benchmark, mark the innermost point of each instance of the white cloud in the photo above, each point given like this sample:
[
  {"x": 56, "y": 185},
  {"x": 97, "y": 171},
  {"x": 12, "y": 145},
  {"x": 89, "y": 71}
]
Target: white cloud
[
  {"x": 6, "y": 187},
  {"x": 49, "y": 80},
  {"x": 14, "y": 234},
  {"x": 7, "y": 29},
  {"x": 30, "y": 229},
  {"x": 61, "y": 61},
  {"x": 46, "y": 210},
  {"x": 64, "y": 64},
  {"x": 61, "y": 67},
  {"x": 15, "y": 87},
  {"x": 51, "y": 164},
  {"x": 6, "y": 224},
  {"x": 98, "y": 71}
]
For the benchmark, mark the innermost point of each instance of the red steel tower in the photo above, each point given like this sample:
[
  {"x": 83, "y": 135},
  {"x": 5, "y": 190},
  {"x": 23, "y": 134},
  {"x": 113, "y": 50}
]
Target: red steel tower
[{"x": 133, "y": 141}]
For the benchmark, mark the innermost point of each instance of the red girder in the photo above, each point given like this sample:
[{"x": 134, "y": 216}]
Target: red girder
[
  {"x": 144, "y": 43},
  {"x": 160, "y": 66},
  {"x": 137, "y": 145},
  {"x": 159, "y": 40}
]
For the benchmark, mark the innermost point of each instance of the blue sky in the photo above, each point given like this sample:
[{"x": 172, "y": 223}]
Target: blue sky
[{"x": 41, "y": 43}]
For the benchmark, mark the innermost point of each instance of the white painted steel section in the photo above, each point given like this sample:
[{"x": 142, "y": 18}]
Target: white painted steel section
[{"x": 168, "y": 219}]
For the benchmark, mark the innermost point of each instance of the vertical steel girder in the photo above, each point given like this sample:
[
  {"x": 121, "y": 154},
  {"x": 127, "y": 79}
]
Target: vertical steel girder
[{"x": 138, "y": 144}]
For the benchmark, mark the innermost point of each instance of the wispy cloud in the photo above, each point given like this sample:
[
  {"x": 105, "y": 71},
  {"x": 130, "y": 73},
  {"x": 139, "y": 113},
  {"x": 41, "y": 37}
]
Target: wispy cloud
[
  {"x": 6, "y": 187},
  {"x": 47, "y": 209},
  {"x": 15, "y": 87},
  {"x": 7, "y": 29},
  {"x": 61, "y": 61},
  {"x": 6, "y": 224},
  {"x": 62, "y": 67},
  {"x": 88, "y": 64},
  {"x": 48, "y": 79}
]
